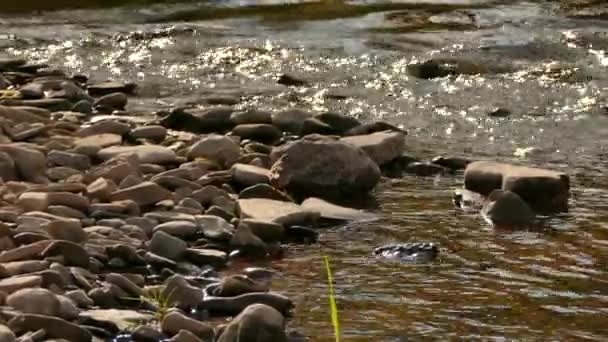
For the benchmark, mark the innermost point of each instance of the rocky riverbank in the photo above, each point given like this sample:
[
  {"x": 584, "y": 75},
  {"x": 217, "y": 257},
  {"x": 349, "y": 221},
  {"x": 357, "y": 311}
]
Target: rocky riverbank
[{"x": 117, "y": 223}]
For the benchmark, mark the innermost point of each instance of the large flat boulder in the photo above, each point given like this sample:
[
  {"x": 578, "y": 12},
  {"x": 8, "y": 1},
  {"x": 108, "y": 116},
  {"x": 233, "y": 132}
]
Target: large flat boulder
[
  {"x": 323, "y": 167},
  {"x": 382, "y": 147},
  {"x": 268, "y": 210},
  {"x": 544, "y": 190},
  {"x": 335, "y": 212}
]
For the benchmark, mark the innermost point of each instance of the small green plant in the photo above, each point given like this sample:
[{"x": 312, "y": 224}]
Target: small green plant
[
  {"x": 332, "y": 300},
  {"x": 160, "y": 301}
]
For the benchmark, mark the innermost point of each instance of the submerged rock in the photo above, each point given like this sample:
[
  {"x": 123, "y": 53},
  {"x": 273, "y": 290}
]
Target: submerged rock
[
  {"x": 506, "y": 209},
  {"x": 410, "y": 252},
  {"x": 258, "y": 322}
]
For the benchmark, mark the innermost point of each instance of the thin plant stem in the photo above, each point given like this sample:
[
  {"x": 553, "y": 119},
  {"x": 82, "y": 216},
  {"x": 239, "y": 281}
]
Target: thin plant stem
[{"x": 332, "y": 300}]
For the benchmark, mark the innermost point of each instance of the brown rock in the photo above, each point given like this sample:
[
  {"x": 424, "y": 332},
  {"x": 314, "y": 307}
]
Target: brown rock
[
  {"x": 175, "y": 321},
  {"x": 34, "y": 301},
  {"x": 54, "y": 327},
  {"x": 146, "y": 193}
]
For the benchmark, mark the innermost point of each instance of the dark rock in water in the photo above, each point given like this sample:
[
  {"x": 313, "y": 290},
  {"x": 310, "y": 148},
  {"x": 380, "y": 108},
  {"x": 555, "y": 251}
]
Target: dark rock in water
[
  {"x": 11, "y": 64},
  {"x": 54, "y": 105},
  {"x": 314, "y": 125},
  {"x": 442, "y": 67},
  {"x": 424, "y": 169},
  {"x": 411, "y": 252},
  {"x": 235, "y": 285},
  {"x": 452, "y": 163},
  {"x": 382, "y": 147},
  {"x": 258, "y": 132},
  {"x": 257, "y": 322},
  {"x": 339, "y": 123},
  {"x": 115, "y": 101},
  {"x": 301, "y": 234},
  {"x": 83, "y": 106},
  {"x": 105, "y": 88},
  {"x": 506, "y": 209},
  {"x": 216, "y": 119},
  {"x": 291, "y": 120},
  {"x": 264, "y": 191},
  {"x": 374, "y": 127},
  {"x": 291, "y": 80},
  {"x": 235, "y": 305},
  {"x": 54, "y": 327},
  {"x": 499, "y": 112}
]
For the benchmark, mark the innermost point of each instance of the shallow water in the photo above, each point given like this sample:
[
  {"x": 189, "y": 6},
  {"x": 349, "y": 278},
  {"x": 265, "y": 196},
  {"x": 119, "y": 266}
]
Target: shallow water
[{"x": 547, "y": 284}]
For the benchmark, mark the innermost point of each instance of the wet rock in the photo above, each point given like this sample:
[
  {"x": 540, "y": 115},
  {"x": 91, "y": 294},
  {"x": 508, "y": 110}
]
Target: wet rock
[
  {"x": 83, "y": 106},
  {"x": 409, "y": 252},
  {"x": 543, "y": 190},
  {"x": 67, "y": 308},
  {"x": 235, "y": 305},
  {"x": 217, "y": 148},
  {"x": 300, "y": 234},
  {"x": 323, "y": 167},
  {"x": 257, "y": 322},
  {"x": 264, "y": 191},
  {"x": 205, "y": 256},
  {"x": 180, "y": 229},
  {"x": 143, "y": 194},
  {"x": 335, "y": 212},
  {"x": 339, "y": 123},
  {"x": 452, "y": 163},
  {"x": 185, "y": 336},
  {"x": 125, "y": 284},
  {"x": 181, "y": 294},
  {"x": 291, "y": 120},
  {"x": 506, "y": 209},
  {"x": 10, "y": 285},
  {"x": 291, "y": 80},
  {"x": 258, "y": 132},
  {"x": 424, "y": 169},
  {"x": 152, "y": 154},
  {"x": 215, "y": 228},
  {"x": 98, "y": 141},
  {"x": 61, "y": 173},
  {"x": 443, "y": 67},
  {"x": 249, "y": 175},
  {"x": 175, "y": 321},
  {"x": 113, "y": 101},
  {"x": 284, "y": 213},
  {"x": 152, "y": 132},
  {"x": 382, "y": 147},
  {"x": 315, "y": 126},
  {"x": 34, "y": 301},
  {"x": 499, "y": 112},
  {"x": 247, "y": 242},
  {"x": 29, "y": 163},
  {"x": 252, "y": 116},
  {"x": 167, "y": 246},
  {"x": 236, "y": 285},
  {"x": 25, "y": 252},
  {"x": 54, "y": 327},
  {"x": 8, "y": 170},
  {"x": 73, "y": 254},
  {"x": 158, "y": 261},
  {"x": 80, "y": 298},
  {"x": 24, "y": 114},
  {"x": 373, "y": 127},
  {"x": 121, "y": 319},
  {"x": 215, "y": 119},
  {"x": 144, "y": 333},
  {"x": 267, "y": 231},
  {"x": 73, "y": 160},
  {"x": 105, "y": 88},
  {"x": 104, "y": 127},
  {"x": 70, "y": 230},
  {"x": 24, "y": 267},
  {"x": 6, "y": 335}
]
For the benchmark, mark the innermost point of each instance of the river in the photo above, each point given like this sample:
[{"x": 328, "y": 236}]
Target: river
[{"x": 549, "y": 284}]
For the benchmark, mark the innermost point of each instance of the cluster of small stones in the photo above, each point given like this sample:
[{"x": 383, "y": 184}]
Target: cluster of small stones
[{"x": 115, "y": 223}]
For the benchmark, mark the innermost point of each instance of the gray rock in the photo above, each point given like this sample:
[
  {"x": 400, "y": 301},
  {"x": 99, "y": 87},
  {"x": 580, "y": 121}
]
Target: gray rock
[
  {"x": 35, "y": 301},
  {"x": 70, "y": 230},
  {"x": 80, "y": 298},
  {"x": 145, "y": 333},
  {"x": 215, "y": 228},
  {"x": 324, "y": 167},
  {"x": 335, "y": 212},
  {"x": 152, "y": 132},
  {"x": 152, "y": 154},
  {"x": 264, "y": 191},
  {"x": 185, "y": 336},
  {"x": 267, "y": 231},
  {"x": 504, "y": 208},
  {"x": 10, "y": 285},
  {"x": 29, "y": 163},
  {"x": 54, "y": 327},
  {"x": 217, "y": 148},
  {"x": 236, "y": 285},
  {"x": 291, "y": 120},
  {"x": 105, "y": 88},
  {"x": 247, "y": 242},
  {"x": 104, "y": 127},
  {"x": 73, "y": 254},
  {"x": 339, "y": 123},
  {"x": 181, "y": 229},
  {"x": 252, "y": 116},
  {"x": 284, "y": 213},
  {"x": 122, "y": 319},
  {"x": 146, "y": 193},
  {"x": 424, "y": 169},
  {"x": 73, "y": 160},
  {"x": 257, "y": 322},
  {"x": 235, "y": 305},
  {"x": 67, "y": 308},
  {"x": 167, "y": 246},
  {"x": 543, "y": 190},
  {"x": 258, "y": 132},
  {"x": 8, "y": 170},
  {"x": 205, "y": 256},
  {"x": 116, "y": 101},
  {"x": 249, "y": 175},
  {"x": 126, "y": 284},
  {"x": 382, "y": 147},
  {"x": 98, "y": 141},
  {"x": 175, "y": 321},
  {"x": 181, "y": 294}
]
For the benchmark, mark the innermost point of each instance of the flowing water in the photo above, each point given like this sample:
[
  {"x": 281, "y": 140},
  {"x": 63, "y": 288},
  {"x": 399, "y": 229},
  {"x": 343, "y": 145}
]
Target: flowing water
[{"x": 541, "y": 285}]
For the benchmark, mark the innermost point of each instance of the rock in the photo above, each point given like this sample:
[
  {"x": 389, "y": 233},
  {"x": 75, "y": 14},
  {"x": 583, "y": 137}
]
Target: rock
[
  {"x": 152, "y": 132},
  {"x": 8, "y": 170},
  {"x": 54, "y": 327},
  {"x": 236, "y": 285},
  {"x": 291, "y": 80},
  {"x": 300, "y": 234},
  {"x": 247, "y": 242},
  {"x": 115, "y": 101},
  {"x": 152, "y": 154},
  {"x": 6, "y": 335},
  {"x": 29, "y": 163},
  {"x": 264, "y": 191},
  {"x": 105, "y": 88},
  {"x": 249, "y": 175},
  {"x": 258, "y": 132},
  {"x": 101, "y": 189},
  {"x": 205, "y": 256},
  {"x": 70, "y": 230},
  {"x": 339, "y": 123},
  {"x": 373, "y": 127},
  {"x": 10, "y": 285},
  {"x": 104, "y": 127},
  {"x": 159, "y": 262},
  {"x": 34, "y": 301},
  {"x": 180, "y": 229},
  {"x": 315, "y": 126},
  {"x": 452, "y": 163},
  {"x": 424, "y": 169},
  {"x": 57, "y": 174},
  {"x": 267, "y": 231},
  {"x": 145, "y": 193},
  {"x": 80, "y": 298},
  {"x": 335, "y": 212},
  {"x": 284, "y": 213},
  {"x": 499, "y": 112},
  {"x": 258, "y": 322},
  {"x": 506, "y": 209},
  {"x": 73, "y": 254},
  {"x": 443, "y": 67},
  {"x": 67, "y": 308},
  {"x": 175, "y": 321},
  {"x": 24, "y": 267},
  {"x": 83, "y": 106},
  {"x": 73, "y": 160},
  {"x": 217, "y": 148},
  {"x": 25, "y": 252},
  {"x": 215, "y": 228},
  {"x": 33, "y": 201},
  {"x": 235, "y": 305},
  {"x": 323, "y": 167},
  {"x": 122, "y": 319},
  {"x": 252, "y": 116},
  {"x": 214, "y": 119},
  {"x": 180, "y": 293},
  {"x": 145, "y": 333},
  {"x": 543, "y": 190},
  {"x": 24, "y": 114},
  {"x": 167, "y": 246},
  {"x": 291, "y": 120},
  {"x": 68, "y": 199},
  {"x": 126, "y": 284},
  {"x": 98, "y": 140},
  {"x": 185, "y": 336},
  {"x": 409, "y": 252},
  {"x": 382, "y": 147}
]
